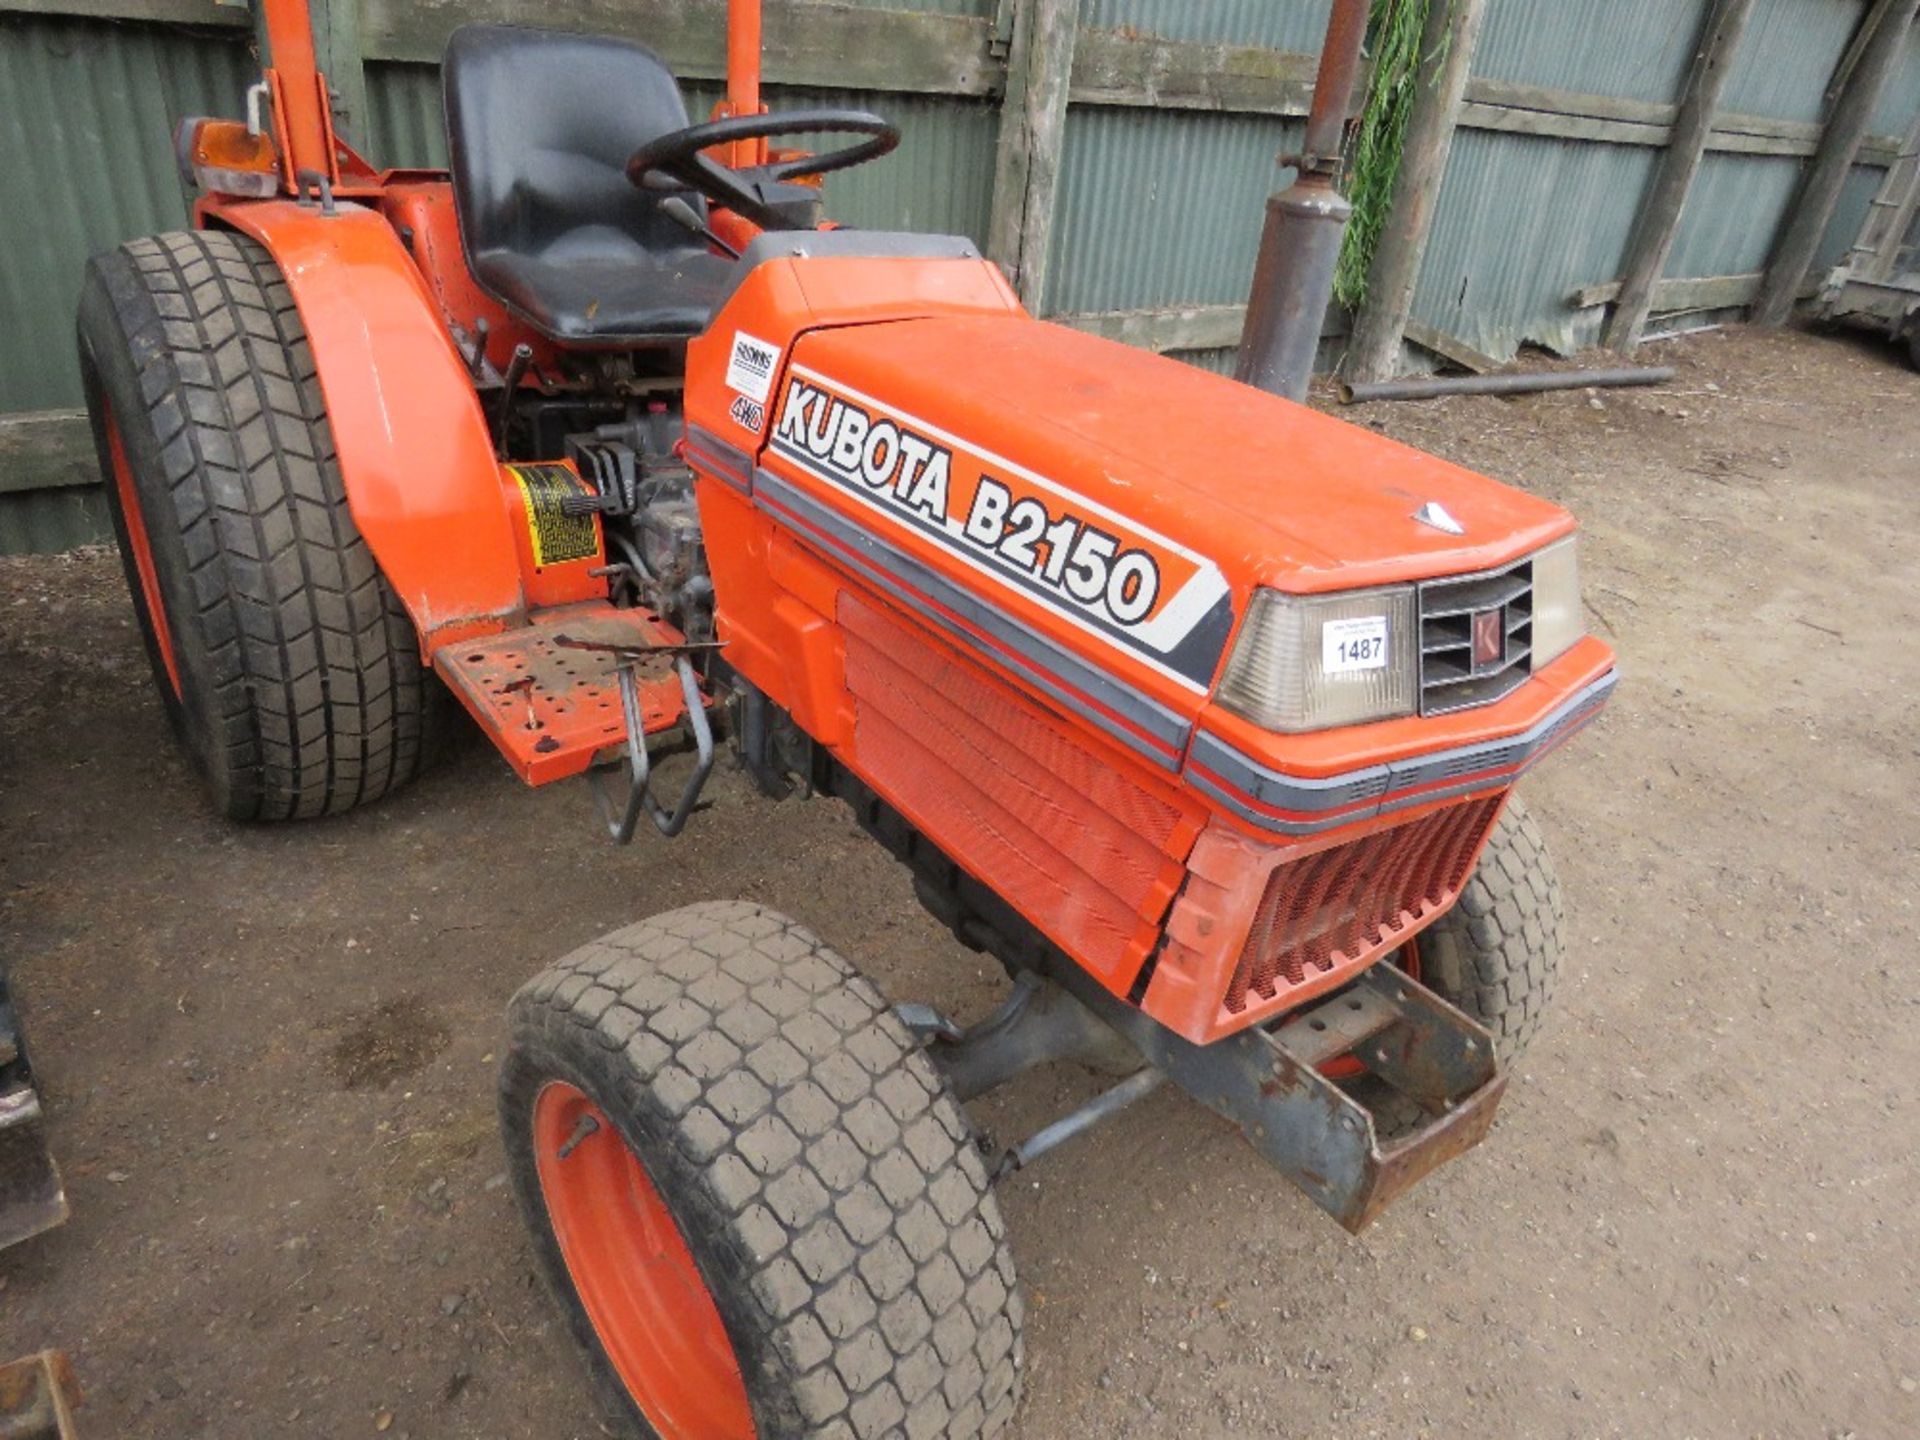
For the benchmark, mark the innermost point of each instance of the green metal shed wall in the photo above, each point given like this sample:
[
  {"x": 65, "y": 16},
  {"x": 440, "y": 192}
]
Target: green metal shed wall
[{"x": 1157, "y": 207}]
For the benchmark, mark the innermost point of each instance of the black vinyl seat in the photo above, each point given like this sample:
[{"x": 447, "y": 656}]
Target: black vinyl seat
[{"x": 539, "y": 127}]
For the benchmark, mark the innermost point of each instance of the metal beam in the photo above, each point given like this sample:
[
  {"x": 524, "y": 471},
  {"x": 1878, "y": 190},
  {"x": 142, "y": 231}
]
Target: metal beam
[
  {"x": 1659, "y": 218},
  {"x": 1448, "y": 43},
  {"x": 1292, "y": 285},
  {"x": 1807, "y": 221}
]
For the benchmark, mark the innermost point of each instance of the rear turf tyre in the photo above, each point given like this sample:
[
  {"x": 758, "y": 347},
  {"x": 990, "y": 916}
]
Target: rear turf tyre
[
  {"x": 283, "y": 659},
  {"x": 1496, "y": 954},
  {"x": 742, "y": 1112}
]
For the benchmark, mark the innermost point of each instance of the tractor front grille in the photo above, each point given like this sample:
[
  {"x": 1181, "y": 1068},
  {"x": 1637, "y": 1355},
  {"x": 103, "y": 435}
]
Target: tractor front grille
[
  {"x": 1456, "y": 673},
  {"x": 1342, "y": 907}
]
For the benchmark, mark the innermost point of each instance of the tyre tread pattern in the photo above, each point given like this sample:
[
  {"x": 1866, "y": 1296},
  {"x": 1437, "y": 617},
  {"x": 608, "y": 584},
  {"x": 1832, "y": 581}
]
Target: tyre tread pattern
[
  {"x": 1499, "y": 948},
  {"x": 856, "y": 1197},
  {"x": 318, "y": 686}
]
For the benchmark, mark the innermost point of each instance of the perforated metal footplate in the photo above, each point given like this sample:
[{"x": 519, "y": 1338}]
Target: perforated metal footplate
[{"x": 553, "y": 709}]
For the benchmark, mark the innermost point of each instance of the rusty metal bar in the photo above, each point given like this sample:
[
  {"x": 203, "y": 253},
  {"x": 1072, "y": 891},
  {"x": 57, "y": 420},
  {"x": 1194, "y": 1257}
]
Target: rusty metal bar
[
  {"x": 1268, "y": 1083},
  {"x": 1300, "y": 242},
  {"x": 1103, "y": 1106},
  {"x": 1333, "y": 86},
  {"x": 1359, "y": 392}
]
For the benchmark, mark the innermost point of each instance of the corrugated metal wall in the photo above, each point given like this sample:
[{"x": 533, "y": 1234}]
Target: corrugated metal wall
[
  {"x": 1159, "y": 209},
  {"x": 86, "y": 159},
  {"x": 1296, "y": 25},
  {"x": 1156, "y": 208},
  {"x": 1523, "y": 221},
  {"x": 1629, "y": 49}
]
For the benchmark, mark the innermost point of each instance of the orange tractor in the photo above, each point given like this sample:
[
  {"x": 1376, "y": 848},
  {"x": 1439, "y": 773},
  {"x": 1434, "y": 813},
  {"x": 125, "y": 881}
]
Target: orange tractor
[{"x": 1197, "y": 710}]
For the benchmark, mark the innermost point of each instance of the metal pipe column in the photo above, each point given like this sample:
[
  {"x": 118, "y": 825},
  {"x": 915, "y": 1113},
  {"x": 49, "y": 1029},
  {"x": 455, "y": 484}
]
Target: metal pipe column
[{"x": 1300, "y": 244}]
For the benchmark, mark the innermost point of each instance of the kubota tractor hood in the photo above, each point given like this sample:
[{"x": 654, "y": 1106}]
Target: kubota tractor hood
[{"x": 1271, "y": 492}]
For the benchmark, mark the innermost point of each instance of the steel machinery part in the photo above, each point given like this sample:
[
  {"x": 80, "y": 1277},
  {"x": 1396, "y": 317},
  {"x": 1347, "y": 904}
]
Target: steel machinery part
[
  {"x": 1359, "y": 392},
  {"x": 1300, "y": 243}
]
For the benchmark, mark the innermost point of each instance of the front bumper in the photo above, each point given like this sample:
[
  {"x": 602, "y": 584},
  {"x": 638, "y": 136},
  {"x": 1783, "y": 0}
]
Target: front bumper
[
  {"x": 1267, "y": 1080},
  {"x": 1296, "y": 806}
]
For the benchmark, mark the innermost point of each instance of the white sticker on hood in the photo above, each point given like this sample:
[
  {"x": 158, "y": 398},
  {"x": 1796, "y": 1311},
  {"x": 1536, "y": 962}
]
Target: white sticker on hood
[{"x": 750, "y": 367}]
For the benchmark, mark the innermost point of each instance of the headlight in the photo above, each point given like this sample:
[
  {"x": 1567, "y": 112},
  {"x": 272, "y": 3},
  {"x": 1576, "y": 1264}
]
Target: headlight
[
  {"x": 1558, "y": 620},
  {"x": 1310, "y": 662}
]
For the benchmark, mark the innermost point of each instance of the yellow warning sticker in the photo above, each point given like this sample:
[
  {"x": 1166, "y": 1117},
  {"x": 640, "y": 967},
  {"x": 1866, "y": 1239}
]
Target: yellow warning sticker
[{"x": 557, "y": 536}]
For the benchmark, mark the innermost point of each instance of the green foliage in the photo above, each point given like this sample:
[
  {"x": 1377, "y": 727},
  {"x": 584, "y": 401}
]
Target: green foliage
[{"x": 1394, "y": 30}]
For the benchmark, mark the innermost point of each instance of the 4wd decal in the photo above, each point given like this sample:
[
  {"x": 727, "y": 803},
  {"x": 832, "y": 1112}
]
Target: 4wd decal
[
  {"x": 1137, "y": 589},
  {"x": 748, "y": 414}
]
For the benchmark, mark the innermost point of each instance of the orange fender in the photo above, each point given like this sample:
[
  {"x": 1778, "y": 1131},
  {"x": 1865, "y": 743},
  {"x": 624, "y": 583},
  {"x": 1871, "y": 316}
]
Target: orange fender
[{"x": 415, "y": 452}]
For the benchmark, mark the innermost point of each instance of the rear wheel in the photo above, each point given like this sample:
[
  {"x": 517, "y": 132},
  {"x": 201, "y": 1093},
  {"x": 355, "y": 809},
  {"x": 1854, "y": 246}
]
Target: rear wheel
[
  {"x": 758, "y": 1205},
  {"x": 283, "y": 658}
]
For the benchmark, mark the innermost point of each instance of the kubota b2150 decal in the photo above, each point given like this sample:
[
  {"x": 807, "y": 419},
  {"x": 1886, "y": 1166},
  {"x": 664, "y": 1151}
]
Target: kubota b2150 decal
[{"x": 1138, "y": 590}]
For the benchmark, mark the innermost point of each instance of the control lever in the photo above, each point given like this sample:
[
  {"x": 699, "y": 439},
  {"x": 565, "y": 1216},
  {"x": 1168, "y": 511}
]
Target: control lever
[
  {"x": 509, "y": 383},
  {"x": 684, "y": 215}
]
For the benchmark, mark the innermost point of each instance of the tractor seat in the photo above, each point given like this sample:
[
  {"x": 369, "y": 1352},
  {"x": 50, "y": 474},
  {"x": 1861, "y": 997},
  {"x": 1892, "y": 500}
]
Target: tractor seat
[{"x": 539, "y": 127}]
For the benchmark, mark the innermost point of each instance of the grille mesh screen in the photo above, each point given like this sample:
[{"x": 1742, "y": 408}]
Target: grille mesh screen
[{"x": 1341, "y": 906}]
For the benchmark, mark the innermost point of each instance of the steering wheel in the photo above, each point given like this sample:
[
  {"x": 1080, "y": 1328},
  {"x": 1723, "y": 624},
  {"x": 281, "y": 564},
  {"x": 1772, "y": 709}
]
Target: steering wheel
[{"x": 677, "y": 157}]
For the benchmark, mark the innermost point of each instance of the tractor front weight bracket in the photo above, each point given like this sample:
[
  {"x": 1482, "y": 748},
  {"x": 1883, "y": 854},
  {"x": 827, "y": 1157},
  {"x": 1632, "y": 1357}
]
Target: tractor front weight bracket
[{"x": 1267, "y": 1079}]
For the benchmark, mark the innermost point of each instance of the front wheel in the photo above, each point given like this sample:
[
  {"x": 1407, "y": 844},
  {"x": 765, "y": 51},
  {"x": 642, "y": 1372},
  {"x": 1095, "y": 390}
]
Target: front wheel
[
  {"x": 1496, "y": 954},
  {"x": 755, "y": 1200}
]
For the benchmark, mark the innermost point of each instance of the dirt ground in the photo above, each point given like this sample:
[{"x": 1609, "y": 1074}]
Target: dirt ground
[{"x": 268, "y": 1054}]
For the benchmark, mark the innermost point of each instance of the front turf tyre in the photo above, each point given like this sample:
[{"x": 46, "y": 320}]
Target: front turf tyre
[
  {"x": 757, "y": 1204},
  {"x": 283, "y": 659},
  {"x": 1496, "y": 953}
]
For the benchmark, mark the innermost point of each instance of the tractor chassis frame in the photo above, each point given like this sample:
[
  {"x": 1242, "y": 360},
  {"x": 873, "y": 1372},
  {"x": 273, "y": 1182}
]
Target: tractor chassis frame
[{"x": 1265, "y": 1080}]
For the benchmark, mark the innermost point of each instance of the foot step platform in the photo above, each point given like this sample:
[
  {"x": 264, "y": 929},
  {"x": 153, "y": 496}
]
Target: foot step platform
[{"x": 553, "y": 709}]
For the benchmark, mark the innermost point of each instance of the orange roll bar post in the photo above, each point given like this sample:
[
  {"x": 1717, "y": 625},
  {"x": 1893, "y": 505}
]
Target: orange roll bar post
[
  {"x": 743, "y": 56},
  {"x": 300, "y": 94},
  {"x": 743, "y": 77}
]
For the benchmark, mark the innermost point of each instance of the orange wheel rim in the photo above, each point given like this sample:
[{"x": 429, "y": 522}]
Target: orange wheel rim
[
  {"x": 137, "y": 542},
  {"x": 1347, "y": 1067},
  {"x": 635, "y": 1276}
]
